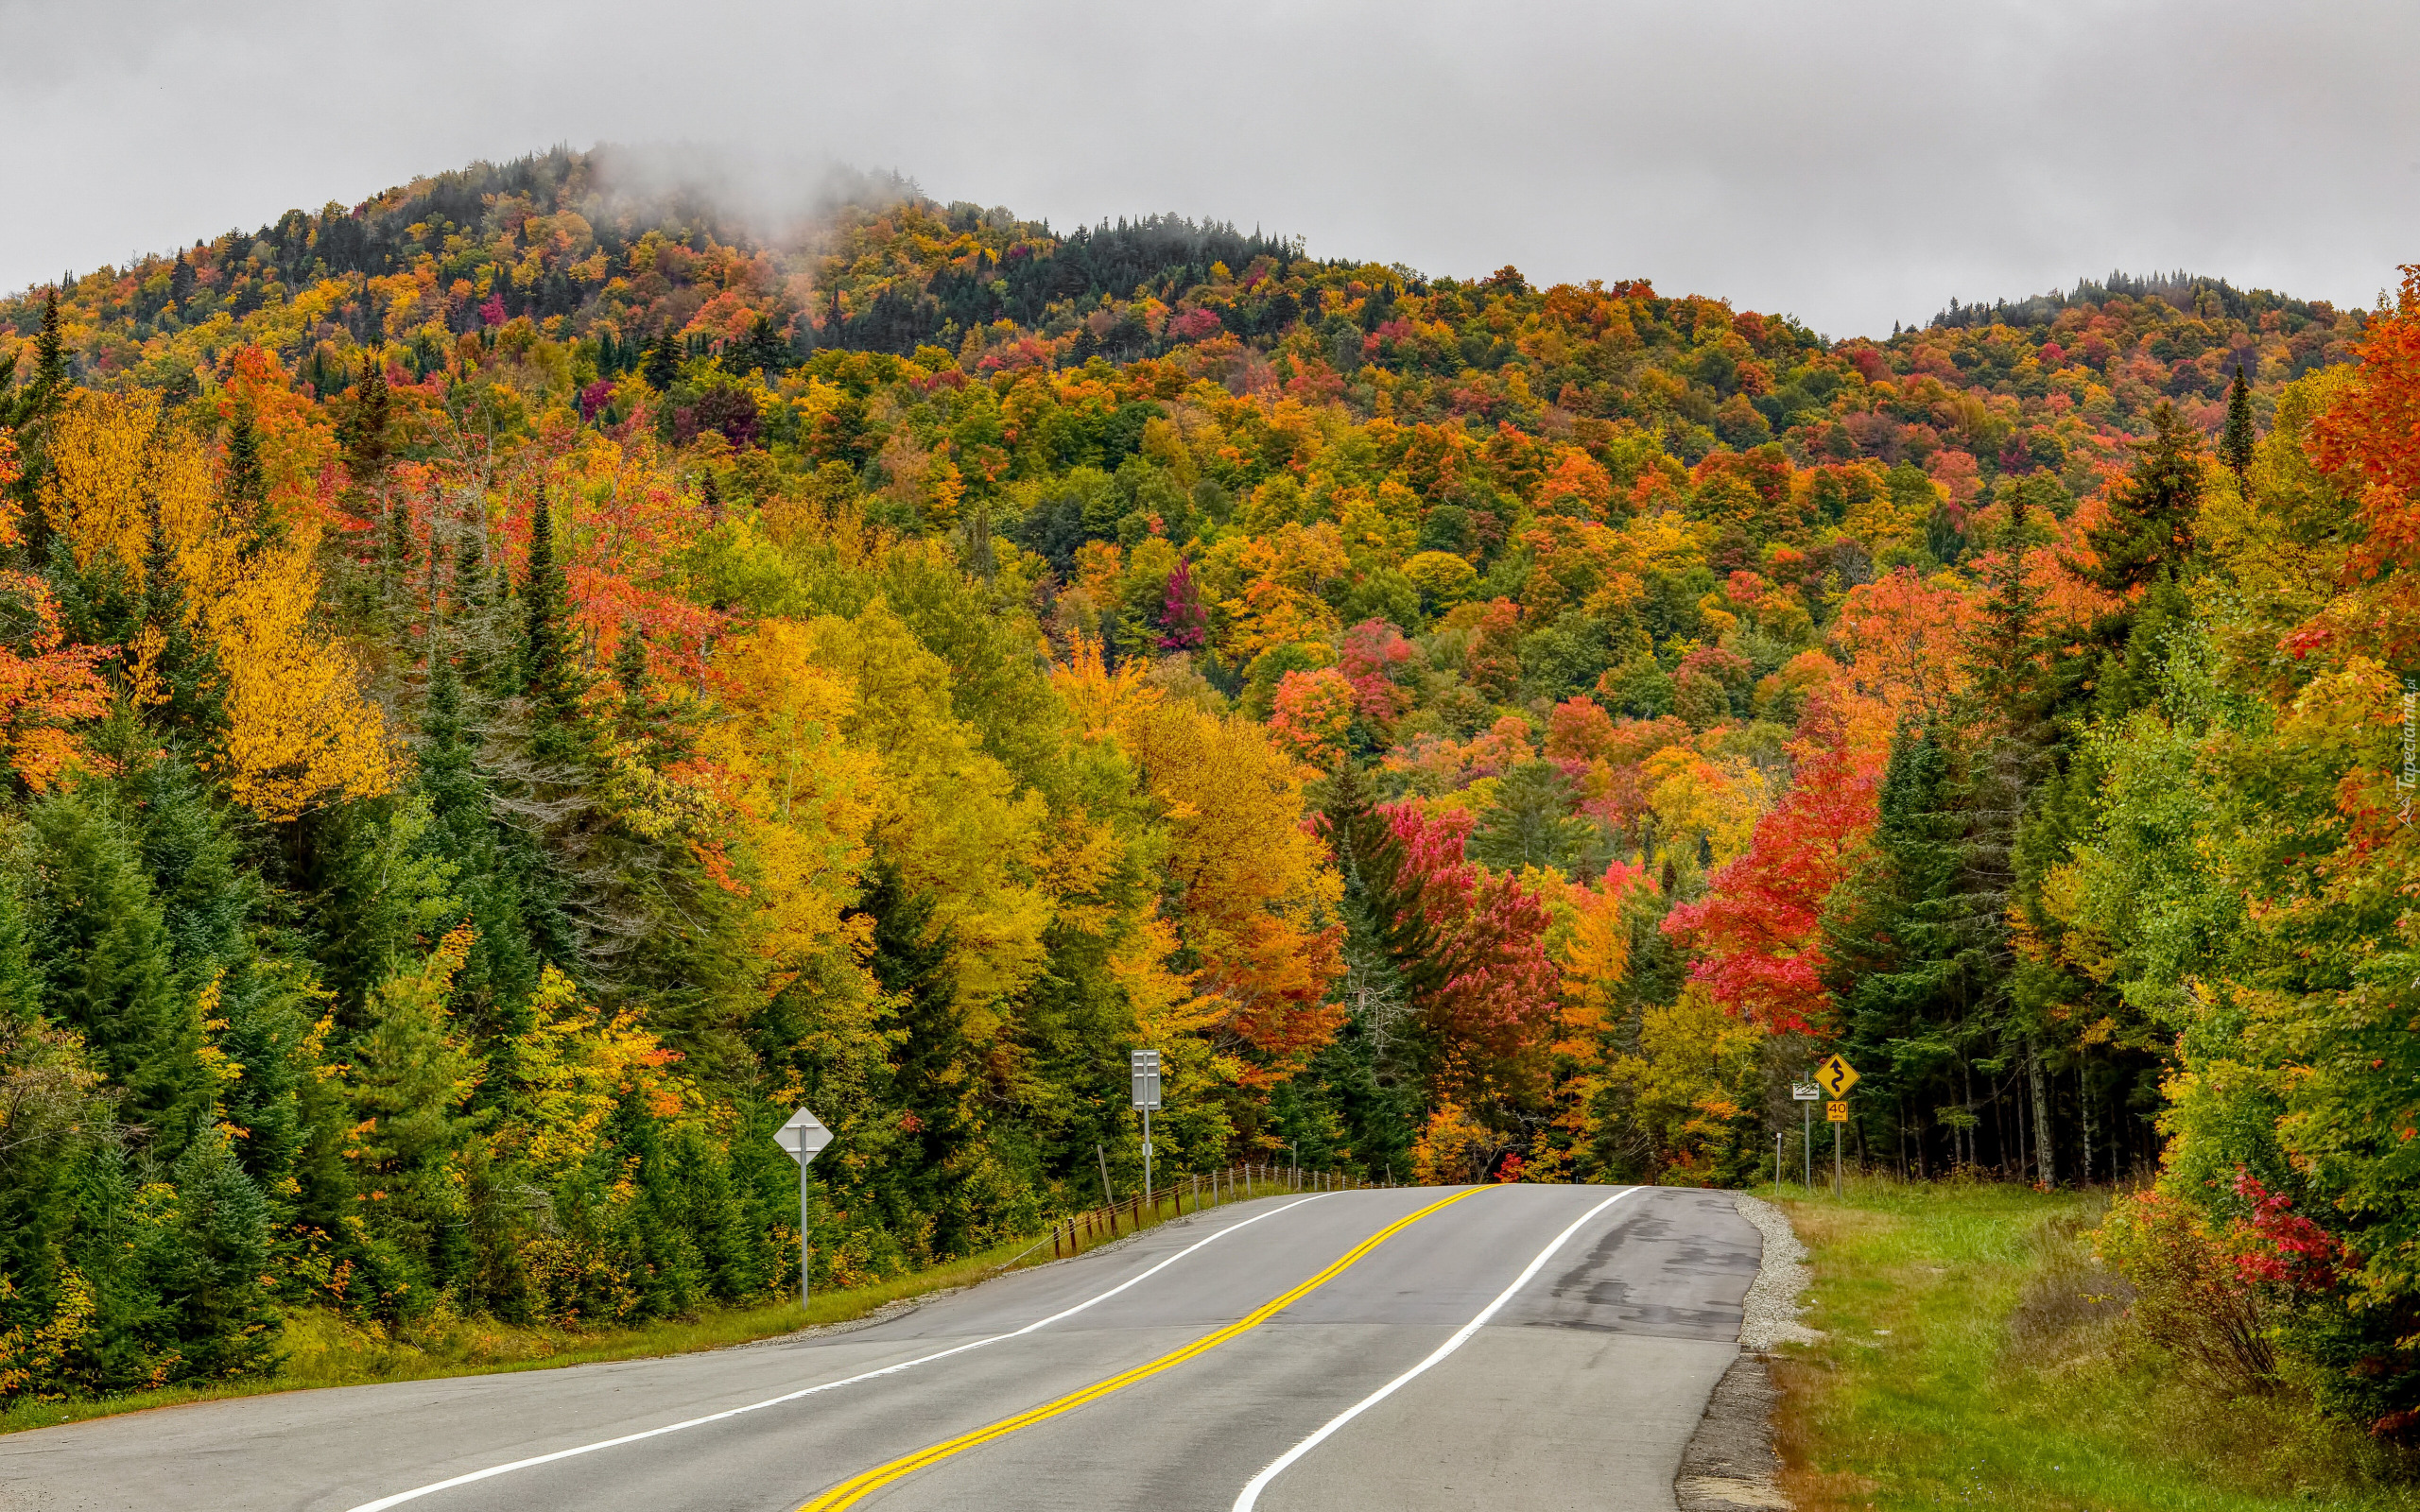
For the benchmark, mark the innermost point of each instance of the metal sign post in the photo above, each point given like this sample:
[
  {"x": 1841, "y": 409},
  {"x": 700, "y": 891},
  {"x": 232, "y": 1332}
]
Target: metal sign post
[
  {"x": 1836, "y": 1076},
  {"x": 804, "y": 1137},
  {"x": 1145, "y": 1067},
  {"x": 1806, "y": 1094}
]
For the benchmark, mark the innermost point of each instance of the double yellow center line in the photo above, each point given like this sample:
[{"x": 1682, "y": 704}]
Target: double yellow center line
[{"x": 857, "y": 1488}]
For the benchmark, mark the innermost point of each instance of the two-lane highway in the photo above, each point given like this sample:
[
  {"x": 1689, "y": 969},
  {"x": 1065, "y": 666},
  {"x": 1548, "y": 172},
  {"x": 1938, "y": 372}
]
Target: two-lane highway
[{"x": 1533, "y": 1347}]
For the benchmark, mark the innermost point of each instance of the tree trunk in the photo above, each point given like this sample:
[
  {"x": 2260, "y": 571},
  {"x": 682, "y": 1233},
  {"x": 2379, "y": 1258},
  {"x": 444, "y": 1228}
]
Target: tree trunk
[
  {"x": 2045, "y": 1166},
  {"x": 2083, "y": 1107}
]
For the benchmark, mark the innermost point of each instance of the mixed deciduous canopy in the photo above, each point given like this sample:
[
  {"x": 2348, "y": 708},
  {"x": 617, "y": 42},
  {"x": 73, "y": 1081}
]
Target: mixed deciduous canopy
[{"x": 513, "y": 686}]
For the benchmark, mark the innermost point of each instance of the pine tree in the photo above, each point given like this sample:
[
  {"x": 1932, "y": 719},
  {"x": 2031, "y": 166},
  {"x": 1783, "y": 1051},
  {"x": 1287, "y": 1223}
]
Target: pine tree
[
  {"x": 106, "y": 956},
  {"x": 187, "y": 687},
  {"x": 366, "y": 447},
  {"x": 2236, "y": 442},
  {"x": 2149, "y": 521},
  {"x": 497, "y": 879},
  {"x": 211, "y": 1269},
  {"x": 763, "y": 350},
  {"x": 1531, "y": 822},
  {"x": 50, "y": 352},
  {"x": 22, "y": 411},
  {"x": 1914, "y": 947},
  {"x": 663, "y": 363},
  {"x": 246, "y": 486},
  {"x": 548, "y": 677}
]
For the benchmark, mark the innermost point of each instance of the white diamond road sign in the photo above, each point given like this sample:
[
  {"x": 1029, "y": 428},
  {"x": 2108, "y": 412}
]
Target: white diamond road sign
[{"x": 804, "y": 1136}]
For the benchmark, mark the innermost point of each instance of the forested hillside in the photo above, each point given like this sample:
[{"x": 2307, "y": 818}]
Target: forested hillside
[{"x": 513, "y": 686}]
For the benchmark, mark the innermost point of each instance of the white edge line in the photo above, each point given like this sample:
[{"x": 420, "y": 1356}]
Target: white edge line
[
  {"x": 434, "y": 1486},
  {"x": 1251, "y": 1493}
]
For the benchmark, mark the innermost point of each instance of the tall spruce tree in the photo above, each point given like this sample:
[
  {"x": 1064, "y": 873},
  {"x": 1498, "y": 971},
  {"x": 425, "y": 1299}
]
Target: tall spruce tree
[
  {"x": 2148, "y": 528},
  {"x": 662, "y": 365},
  {"x": 50, "y": 352},
  {"x": 245, "y": 485},
  {"x": 762, "y": 349},
  {"x": 110, "y": 968},
  {"x": 549, "y": 676},
  {"x": 2237, "y": 441},
  {"x": 366, "y": 432},
  {"x": 1914, "y": 953},
  {"x": 1531, "y": 822},
  {"x": 187, "y": 687},
  {"x": 23, "y": 410}
]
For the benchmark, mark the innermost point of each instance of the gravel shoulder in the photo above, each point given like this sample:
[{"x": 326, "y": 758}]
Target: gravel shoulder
[{"x": 1730, "y": 1462}]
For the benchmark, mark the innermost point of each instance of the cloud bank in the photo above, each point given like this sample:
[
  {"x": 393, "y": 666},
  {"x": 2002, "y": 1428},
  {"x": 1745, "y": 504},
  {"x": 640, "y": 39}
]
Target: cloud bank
[{"x": 1852, "y": 163}]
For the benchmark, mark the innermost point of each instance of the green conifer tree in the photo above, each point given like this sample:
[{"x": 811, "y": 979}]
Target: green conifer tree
[
  {"x": 763, "y": 350},
  {"x": 368, "y": 444},
  {"x": 1530, "y": 823},
  {"x": 2237, "y": 441},
  {"x": 110, "y": 970},
  {"x": 246, "y": 484},
  {"x": 662, "y": 365},
  {"x": 22, "y": 411},
  {"x": 2149, "y": 521},
  {"x": 50, "y": 352},
  {"x": 192, "y": 686},
  {"x": 211, "y": 1268},
  {"x": 1913, "y": 956},
  {"x": 549, "y": 676}
]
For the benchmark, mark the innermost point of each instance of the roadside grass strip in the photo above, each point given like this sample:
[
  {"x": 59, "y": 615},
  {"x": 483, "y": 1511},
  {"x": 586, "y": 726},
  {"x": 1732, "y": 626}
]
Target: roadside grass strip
[
  {"x": 1251, "y": 1493},
  {"x": 493, "y": 1470},
  {"x": 857, "y": 1488},
  {"x": 1975, "y": 1353}
]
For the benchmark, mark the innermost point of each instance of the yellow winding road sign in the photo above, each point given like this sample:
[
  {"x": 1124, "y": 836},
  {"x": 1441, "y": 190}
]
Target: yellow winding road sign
[{"x": 1836, "y": 1076}]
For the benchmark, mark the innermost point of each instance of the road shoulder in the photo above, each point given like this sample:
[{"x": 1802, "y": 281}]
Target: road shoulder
[{"x": 1730, "y": 1462}]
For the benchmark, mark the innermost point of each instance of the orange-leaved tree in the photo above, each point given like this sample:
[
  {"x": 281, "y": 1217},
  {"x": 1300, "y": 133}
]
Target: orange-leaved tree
[{"x": 46, "y": 686}]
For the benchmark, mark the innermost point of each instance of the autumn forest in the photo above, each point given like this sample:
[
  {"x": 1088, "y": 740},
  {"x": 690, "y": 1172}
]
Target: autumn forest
[{"x": 511, "y": 687}]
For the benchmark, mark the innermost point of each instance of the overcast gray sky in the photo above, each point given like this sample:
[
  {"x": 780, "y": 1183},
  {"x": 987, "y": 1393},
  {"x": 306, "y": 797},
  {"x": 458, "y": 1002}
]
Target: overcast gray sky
[{"x": 1852, "y": 163}]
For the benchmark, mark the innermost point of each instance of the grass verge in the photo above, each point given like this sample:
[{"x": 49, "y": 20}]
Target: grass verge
[
  {"x": 323, "y": 1349},
  {"x": 1976, "y": 1355}
]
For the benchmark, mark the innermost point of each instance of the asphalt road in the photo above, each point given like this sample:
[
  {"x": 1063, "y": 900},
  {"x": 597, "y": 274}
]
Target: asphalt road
[{"x": 1222, "y": 1344}]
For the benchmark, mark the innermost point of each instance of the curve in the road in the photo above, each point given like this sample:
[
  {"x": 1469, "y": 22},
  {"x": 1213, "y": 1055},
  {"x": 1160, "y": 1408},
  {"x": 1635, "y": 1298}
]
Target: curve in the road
[
  {"x": 1246, "y": 1499},
  {"x": 848, "y": 1492},
  {"x": 493, "y": 1470}
]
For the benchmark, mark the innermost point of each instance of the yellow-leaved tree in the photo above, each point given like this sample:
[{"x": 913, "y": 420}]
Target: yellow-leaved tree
[
  {"x": 1590, "y": 944},
  {"x": 299, "y": 732},
  {"x": 947, "y": 814},
  {"x": 1257, "y": 897},
  {"x": 799, "y": 800}
]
